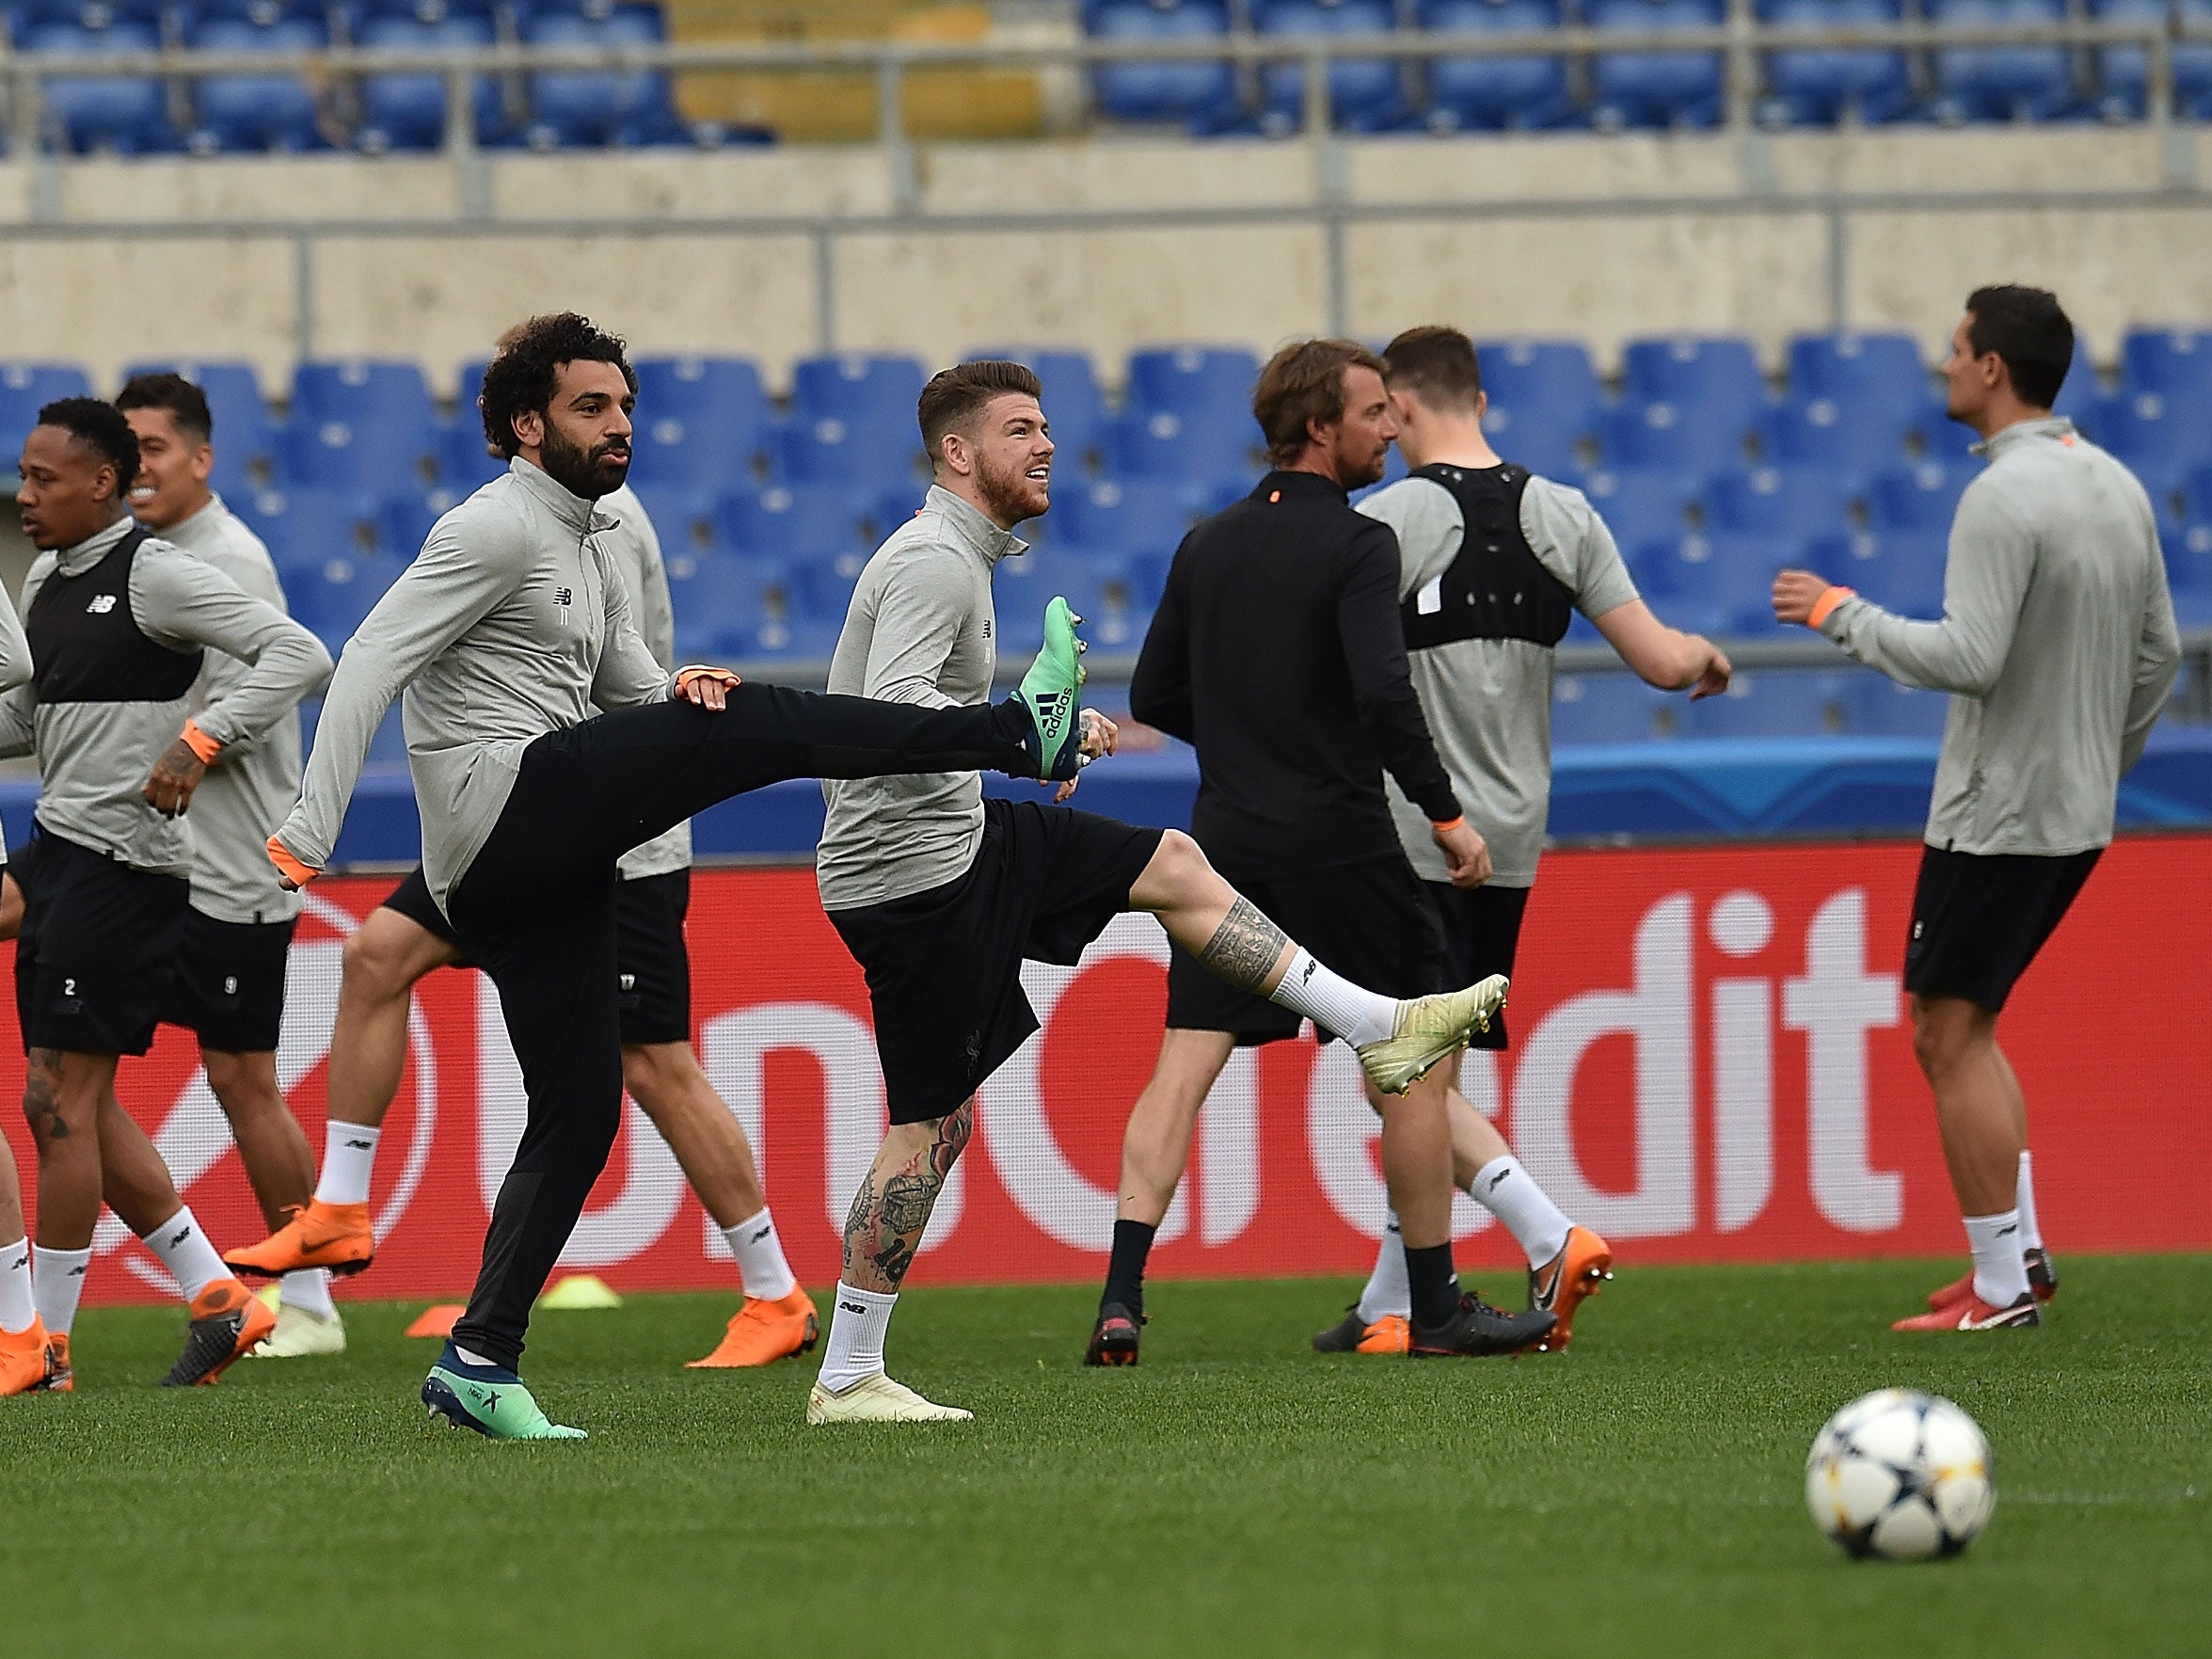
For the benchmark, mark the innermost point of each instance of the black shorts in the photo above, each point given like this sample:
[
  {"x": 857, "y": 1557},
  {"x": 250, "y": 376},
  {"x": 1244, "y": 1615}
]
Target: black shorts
[
  {"x": 652, "y": 965},
  {"x": 98, "y": 949},
  {"x": 1980, "y": 918},
  {"x": 945, "y": 967},
  {"x": 1369, "y": 922},
  {"x": 229, "y": 985},
  {"x": 1482, "y": 930}
]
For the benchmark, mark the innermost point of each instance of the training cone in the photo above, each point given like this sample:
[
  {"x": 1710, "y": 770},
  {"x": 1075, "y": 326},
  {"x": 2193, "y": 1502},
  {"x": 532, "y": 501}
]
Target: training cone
[
  {"x": 437, "y": 1319},
  {"x": 581, "y": 1291}
]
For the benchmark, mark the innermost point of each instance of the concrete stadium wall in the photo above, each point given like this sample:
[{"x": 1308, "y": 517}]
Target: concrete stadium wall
[{"x": 1504, "y": 261}]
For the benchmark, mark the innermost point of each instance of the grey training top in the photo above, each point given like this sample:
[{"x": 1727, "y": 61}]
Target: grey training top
[
  {"x": 920, "y": 630},
  {"x": 15, "y": 668},
  {"x": 512, "y": 622},
  {"x": 2056, "y": 645},
  {"x": 1488, "y": 701},
  {"x": 636, "y": 547},
  {"x": 95, "y": 758},
  {"x": 252, "y": 786}
]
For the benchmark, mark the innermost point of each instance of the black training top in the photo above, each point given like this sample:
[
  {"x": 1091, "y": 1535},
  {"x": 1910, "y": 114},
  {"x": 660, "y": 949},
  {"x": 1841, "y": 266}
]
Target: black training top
[{"x": 1277, "y": 652}]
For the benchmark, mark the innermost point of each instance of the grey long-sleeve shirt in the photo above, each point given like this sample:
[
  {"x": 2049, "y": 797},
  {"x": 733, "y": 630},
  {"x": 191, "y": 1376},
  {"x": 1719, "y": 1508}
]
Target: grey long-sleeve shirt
[
  {"x": 252, "y": 785},
  {"x": 15, "y": 667},
  {"x": 636, "y": 547},
  {"x": 94, "y": 756},
  {"x": 2057, "y": 644},
  {"x": 920, "y": 630},
  {"x": 512, "y": 622}
]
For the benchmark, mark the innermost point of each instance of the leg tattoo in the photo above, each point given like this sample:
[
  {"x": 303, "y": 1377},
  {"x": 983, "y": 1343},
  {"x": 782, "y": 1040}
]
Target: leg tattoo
[
  {"x": 41, "y": 1106},
  {"x": 1244, "y": 947},
  {"x": 884, "y": 1228}
]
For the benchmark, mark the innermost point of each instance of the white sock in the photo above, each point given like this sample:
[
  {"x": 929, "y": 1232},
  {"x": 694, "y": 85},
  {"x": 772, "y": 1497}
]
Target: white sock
[
  {"x": 1511, "y": 1193},
  {"x": 349, "y": 1156},
  {"x": 57, "y": 1279},
  {"x": 17, "y": 1308},
  {"x": 2023, "y": 1197},
  {"x": 857, "y": 1325},
  {"x": 2000, "y": 1277},
  {"x": 309, "y": 1290},
  {"x": 761, "y": 1266},
  {"x": 186, "y": 1254},
  {"x": 1334, "y": 1003},
  {"x": 1388, "y": 1290}
]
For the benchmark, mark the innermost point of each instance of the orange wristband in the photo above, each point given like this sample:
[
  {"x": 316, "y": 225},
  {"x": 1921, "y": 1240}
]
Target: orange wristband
[
  {"x": 1825, "y": 605},
  {"x": 293, "y": 870},
  {"x": 1459, "y": 823},
  {"x": 686, "y": 676},
  {"x": 200, "y": 743}
]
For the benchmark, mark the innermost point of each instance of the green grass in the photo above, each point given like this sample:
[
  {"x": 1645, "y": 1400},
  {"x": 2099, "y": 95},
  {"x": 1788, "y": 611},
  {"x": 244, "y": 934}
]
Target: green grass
[{"x": 1236, "y": 1494}]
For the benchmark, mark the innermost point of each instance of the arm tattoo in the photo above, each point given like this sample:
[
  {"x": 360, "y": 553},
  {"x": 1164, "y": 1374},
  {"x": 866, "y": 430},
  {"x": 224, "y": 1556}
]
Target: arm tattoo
[
  {"x": 886, "y": 1226},
  {"x": 1244, "y": 947}
]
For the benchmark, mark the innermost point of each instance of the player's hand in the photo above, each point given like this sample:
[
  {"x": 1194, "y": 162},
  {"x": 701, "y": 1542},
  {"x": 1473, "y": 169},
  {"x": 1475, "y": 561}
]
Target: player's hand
[
  {"x": 293, "y": 873},
  {"x": 175, "y": 775},
  {"x": 1101, "y": 738},
  {"x": 1467, "y": 857},
  {"x": 1796, "y": 592},
  {"x": 1712, "y": 679},
  {"x": 707, "y": 687}
]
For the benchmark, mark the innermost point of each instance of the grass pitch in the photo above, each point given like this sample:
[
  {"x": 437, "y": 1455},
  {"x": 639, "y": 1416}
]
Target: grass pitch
[{"x": 1236, "y": 1494}]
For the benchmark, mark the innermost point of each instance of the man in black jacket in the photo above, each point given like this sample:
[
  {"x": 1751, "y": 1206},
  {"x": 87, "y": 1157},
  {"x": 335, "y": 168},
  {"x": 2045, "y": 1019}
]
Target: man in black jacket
[{"x": 1278, "y": 653}]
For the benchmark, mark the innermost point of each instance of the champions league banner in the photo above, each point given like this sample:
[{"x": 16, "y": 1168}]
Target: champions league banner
[{"x": 1711, "y": 1062}]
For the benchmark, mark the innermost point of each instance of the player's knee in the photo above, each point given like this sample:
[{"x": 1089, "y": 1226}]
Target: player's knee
[
  {"x": 375, "y": 964},
  {"x": 1943, "y": 1032},
  {"x": 1180, "y": 860}
]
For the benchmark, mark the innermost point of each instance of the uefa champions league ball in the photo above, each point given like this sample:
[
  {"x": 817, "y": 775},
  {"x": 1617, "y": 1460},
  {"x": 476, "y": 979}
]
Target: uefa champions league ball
[{"x": 1901, "y": 1476}]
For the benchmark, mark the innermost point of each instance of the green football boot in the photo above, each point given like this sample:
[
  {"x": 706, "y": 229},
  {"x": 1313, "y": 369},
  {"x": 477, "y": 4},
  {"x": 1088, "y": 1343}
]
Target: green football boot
[
  {"x": 489, "y": 1400},
  {"x": 1051, "y": 693}
]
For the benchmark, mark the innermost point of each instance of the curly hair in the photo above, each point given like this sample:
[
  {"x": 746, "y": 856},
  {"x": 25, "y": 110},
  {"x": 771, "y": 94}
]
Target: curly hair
[
  {"x": 521, "y": 377},
  {"x": 101, "y": 425}
]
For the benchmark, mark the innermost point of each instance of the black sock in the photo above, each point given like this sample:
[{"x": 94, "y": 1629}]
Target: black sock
[
  {"x": 1435, "y": 1286},
  {"x": 1125, "y": 1273}
]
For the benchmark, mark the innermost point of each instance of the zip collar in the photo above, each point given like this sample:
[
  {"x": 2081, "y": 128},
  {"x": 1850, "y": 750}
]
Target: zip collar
[
  {"x": 972, "y": 527},
  {"x": 2019, "y": 432},
  {"x": 584, "y": 517},
  {"x": 77, "y": 560}
]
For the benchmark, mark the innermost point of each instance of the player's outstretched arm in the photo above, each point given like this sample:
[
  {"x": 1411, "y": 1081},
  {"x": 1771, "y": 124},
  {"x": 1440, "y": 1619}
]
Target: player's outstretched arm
[{"x": 1663, "y": 656}]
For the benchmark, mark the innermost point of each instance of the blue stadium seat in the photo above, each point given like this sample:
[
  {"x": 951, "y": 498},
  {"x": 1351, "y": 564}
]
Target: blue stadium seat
[
  {"x": 1075, "y": 407},
  {"x": 25, "y": 388},
  {"x": 386, "y": 453},
  {"x": 1858, "y": 370},
  {"x": 1193, "y": 381},
  {"x": 244, "y": 439},
  {"x": 2123, "y": 71},
  {"x": 866, "y": 457},
  {"x": 688, "y": 523},
  {"x": 700, "y": 424},
  {"x": 1824, "y": 432},
  {"x": 594, "y": 107},
  {"x": 407, "y": 111},
  {"x": 1770, "y": 703},
  {"x": 1923, "y": 498},
  {"x": 1638, "y": 507},
  {"x": 2174, "y": 362},
  {"x": 2153, "y": 433},
  {"x": 1553, "y": 377},
  {"x": 1667, "y": 437},
  {"x": 465, "y": 461},
  {"x": 428, "y": 12},
  {"x": 1901, "y": 570},
  {"x": 721, "y": 603},
  {"x": 87, "y": 14},
  {"x": 1493, "y": 93},
  {"x": 1814, "y": 87},
  {"x": 1777, "y": 501},
  {"x": 405, "y": 519},
  {"x": 1201, "y": 92},
  {"x": 2000, "y": 83},
  {"x": 1604, "y": 709},
  {"x": 256, "y": 112},
  {"x": 795, "y": 523},
  {"x": 305, "y": 527},
  {"x": 1876, "y": 706},
  {"x": 1363, "y": 92},
  {"x": 1717, "y": 376},
  {"x": 857, "y": 389},
  {"x": 1656, "y": 89},
  {"x": 1723, "y": 580},
  {"x": 83, "y": 113},
  {"x": 1220, "y": 457},
  {"x": 1132, "y": 518},
  {"x": 361, "y": 390}
]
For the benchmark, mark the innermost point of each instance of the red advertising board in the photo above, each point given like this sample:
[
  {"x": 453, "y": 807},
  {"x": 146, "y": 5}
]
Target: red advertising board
[{"x": 1711, "y": 1062}]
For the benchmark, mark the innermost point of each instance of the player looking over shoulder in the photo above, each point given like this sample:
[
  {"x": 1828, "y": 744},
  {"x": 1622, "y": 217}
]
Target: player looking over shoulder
[
  {"x": 2058, "y": 646},
  {"x": 1493, "y": 561}
]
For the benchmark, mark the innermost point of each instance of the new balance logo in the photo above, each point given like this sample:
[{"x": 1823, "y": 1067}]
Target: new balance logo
[
  {"x": 560, "y": 596},
  {"x": 630, "y": 981},
  {"x": 360, "y": 1145},
  {"x": 853, "y": 1307},
  {"x": 21, "y": 1261},
  {"x": 179, "y": 1236},
  {"x": 101, "y": 604},
  {"x": 1307, "y": 977},
  {"x": 2008, "y": 1232},
  {"x": 764, "y": 1232},
  {"x": 1498, "y": 1177},
  {"x": 76, "y": 1272}
]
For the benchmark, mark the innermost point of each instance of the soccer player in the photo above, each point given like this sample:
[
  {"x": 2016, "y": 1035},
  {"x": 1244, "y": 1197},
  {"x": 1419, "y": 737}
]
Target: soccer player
[
  {"x": 229, "y": 989},
  {"x": 408, "y": 937},
  {"x": 939, "y": 895},
  {"x": 1276, "y": 652},
  {"x": 2058, "y": 648},
  {"x": 118, "y": 623},
  {"x": 22, "y": 1334},
  {"x": 509, "y": 628},
  {"x": 1492, "y": 562}
]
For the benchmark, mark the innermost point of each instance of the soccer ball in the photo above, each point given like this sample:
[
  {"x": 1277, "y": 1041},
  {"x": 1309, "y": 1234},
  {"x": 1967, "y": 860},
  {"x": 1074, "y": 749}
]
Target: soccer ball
[{"x": 1901, "y": 1475}]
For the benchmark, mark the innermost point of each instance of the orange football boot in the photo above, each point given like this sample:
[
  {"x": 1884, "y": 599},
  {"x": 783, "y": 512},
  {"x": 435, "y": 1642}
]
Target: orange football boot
[
  {"x": 1390, "y": 1334},
  {"x": 1581, "y": 1269},
  {"x": 61, "y": 1377},
  {"x": 23, "y": 1363},
  {"x": 2043, "y": 1278},
  {"x": 1975, "y": 1314},
  {"x": 226, "y": 1320},
  {"x": 333, "y": 1235},
  {"x": 764, "y": 1331}
]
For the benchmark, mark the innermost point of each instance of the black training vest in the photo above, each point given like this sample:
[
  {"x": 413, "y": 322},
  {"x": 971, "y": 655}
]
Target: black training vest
[
  {"x": 1497, "y": 589},
  {"x": 86, "y": 645}
]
